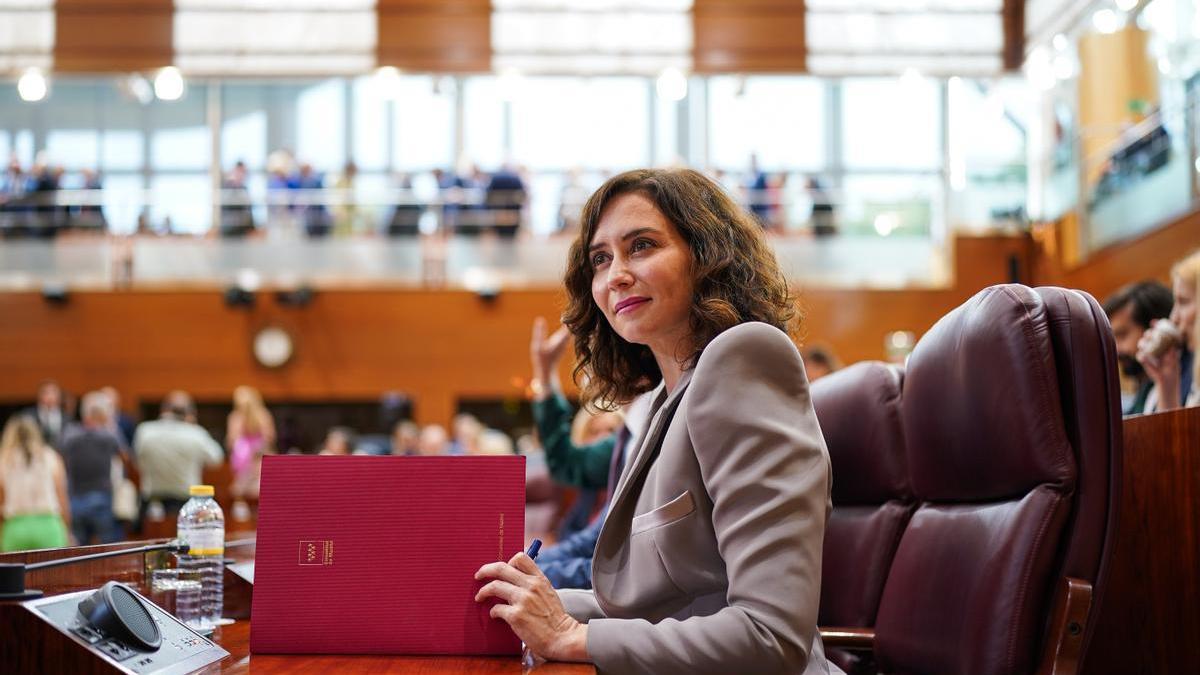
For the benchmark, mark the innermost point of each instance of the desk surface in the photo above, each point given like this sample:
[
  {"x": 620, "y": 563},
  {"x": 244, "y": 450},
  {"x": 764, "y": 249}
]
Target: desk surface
[{"x": 236, "y": 640}]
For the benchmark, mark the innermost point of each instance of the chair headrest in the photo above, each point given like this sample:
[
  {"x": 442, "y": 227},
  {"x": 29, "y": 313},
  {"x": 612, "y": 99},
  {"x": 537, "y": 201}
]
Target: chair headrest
[
  {"x": 981, "y": 409},
  {"x": 858, "y": 408}
]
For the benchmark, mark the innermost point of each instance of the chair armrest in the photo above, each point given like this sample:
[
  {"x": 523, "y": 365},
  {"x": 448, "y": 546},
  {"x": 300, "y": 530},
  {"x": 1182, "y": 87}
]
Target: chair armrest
[
  {"x": 849, "y": 638},
  {"x": 1068, "y": 619}
]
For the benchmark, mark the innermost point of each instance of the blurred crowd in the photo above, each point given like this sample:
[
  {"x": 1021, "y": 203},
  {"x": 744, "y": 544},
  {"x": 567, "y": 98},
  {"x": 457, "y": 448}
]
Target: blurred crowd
[
  {"x": 468, "y": 201},
  {"x": 44, "y": 200},
  {"x": 29, "y": 199}
]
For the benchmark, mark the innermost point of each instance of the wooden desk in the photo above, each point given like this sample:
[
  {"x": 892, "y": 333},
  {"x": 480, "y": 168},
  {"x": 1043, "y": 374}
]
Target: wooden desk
[
  {"x": 235, "y": 638},
  {"x": 1149, "y": 616}
]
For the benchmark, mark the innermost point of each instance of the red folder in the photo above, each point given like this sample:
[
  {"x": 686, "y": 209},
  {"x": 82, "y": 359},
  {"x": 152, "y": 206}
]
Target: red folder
[{"x": 377, "y": 555}]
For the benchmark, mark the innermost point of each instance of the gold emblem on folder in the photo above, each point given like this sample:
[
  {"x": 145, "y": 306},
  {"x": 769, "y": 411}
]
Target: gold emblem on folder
[{"x": 316, "y": 552}]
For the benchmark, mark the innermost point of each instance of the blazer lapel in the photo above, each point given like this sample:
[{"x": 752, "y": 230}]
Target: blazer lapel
[{"x": 652, "y": 438}]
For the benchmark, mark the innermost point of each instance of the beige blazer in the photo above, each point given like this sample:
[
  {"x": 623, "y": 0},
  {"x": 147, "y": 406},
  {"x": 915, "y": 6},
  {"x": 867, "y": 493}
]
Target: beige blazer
[{"x": 710, "y": 558}]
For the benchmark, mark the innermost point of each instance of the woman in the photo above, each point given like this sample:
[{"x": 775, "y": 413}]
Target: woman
[
  {"x": 33, "y": 489},
  {"x": 249, "y": 434},
  {"x": 710, "y": 558},
  {"x": 1176, "y": 372}
]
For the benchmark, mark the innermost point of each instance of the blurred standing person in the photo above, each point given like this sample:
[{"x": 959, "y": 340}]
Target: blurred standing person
[
  {"x": 311, "y": 206},
  {"x": 122, "y": 422},
  {"x": 90, "y": 214},
  {"x": 125, "y": 494},
  {"x": 249, "y": 434},
  {"x": 822, "y": 208},
  {"x": 450, "y": 197},
  {"x": 171, "y": 453},
  {"x": 570, "y": 201},
  {"x": 756, "y": 193},
  {"x": 280, "y": 165},
  {"x": 33, "y": 489},
  {"x": 89, "y": 452},
  {"x": 12, "y": 182},
  {"x": 1168, "y": 349},
  {"x": 44, "y": 186},
  {"x": 777, "y": 201},
  {"x": 505, "y": 199},
  {"x": 49, "y": 412},
  {"x": 237, "y": 218},
  {"x": 346, "y": 215},
  {"x": 405, "y": 219}
]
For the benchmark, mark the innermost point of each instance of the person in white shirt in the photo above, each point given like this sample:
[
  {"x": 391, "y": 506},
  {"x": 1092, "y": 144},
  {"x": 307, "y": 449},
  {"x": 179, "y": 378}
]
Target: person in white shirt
[{"x": 172, "y": 451}]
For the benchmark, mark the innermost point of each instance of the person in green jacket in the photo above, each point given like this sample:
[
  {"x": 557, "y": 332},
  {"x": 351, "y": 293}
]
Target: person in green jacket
[{"x": 585, "y": 466}]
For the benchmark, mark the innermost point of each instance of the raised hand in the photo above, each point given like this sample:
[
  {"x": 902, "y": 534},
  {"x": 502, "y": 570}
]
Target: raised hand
[{"x": 544, "y": 353}]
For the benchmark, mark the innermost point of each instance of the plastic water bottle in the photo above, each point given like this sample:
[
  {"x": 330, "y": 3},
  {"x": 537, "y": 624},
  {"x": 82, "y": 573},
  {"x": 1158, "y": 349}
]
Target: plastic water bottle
[{"x": 202, "y": 527}]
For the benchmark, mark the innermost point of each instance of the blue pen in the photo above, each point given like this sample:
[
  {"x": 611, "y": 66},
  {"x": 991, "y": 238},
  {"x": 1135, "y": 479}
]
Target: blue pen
[{"x": 534, "y": 547}]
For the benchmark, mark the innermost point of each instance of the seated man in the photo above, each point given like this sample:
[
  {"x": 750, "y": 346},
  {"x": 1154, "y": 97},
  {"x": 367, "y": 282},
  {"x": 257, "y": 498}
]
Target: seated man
[{"x": 1131, "y": 310}]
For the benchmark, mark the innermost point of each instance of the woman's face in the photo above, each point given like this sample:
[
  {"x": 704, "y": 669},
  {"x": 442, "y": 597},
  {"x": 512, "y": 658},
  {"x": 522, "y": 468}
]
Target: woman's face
[
  {"x": 1183, "y": 314},
  {"x": 641, "y": 270}
]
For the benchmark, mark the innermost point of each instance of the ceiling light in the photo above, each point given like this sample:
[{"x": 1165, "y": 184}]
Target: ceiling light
[
  {"x": 1126, "y": 5},
  {"x": 1039, "y": 70},
  {"x": 1061, "y": 42},
  {"x": 168, "y": 84},
  {"x": 911, "y": 76},
  {"x": 509, "y": 82},
  {"x": 1106, "y": 21},
  {"x": 1064, "y": 67},
  {"x": 387, "y": 82},
  {"x": 886, "y": 223},
  {"x": 140, "y": 89},
  {"x": 32, "y": 85},
  {"x": 671, "y": 85}
]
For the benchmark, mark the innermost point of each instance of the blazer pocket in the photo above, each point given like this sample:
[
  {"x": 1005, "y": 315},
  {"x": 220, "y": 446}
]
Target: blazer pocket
[{"x": 674, "y": 510}]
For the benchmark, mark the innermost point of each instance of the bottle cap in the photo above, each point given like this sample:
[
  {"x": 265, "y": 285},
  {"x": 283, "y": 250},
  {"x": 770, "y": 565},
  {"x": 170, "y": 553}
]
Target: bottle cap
[{"x": 201, "y": 491}]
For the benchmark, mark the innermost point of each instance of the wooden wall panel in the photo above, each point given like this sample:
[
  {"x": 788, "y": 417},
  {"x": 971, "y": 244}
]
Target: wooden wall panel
[
  {"x": 97, "y": 36},
  {"x": 452, "y": 36},
  {"x": 1149, "y": 256},
  {"x": 1115, "y": 71},
  {"x": 441, "y": 346},
  {"x": 748, "y": 36}
]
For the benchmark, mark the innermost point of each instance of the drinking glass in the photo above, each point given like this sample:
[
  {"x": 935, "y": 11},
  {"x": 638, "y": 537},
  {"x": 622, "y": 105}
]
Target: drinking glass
[{"x": 178, "y": 593}]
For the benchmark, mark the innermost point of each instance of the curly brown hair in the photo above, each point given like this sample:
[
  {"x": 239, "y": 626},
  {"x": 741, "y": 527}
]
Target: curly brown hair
[{"x": 735, "y": 279}]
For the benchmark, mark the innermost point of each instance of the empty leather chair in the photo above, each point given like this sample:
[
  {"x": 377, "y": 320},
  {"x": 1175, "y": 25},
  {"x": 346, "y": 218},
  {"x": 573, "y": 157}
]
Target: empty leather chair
[
  {"x": 858, "y": 408},
  {"x": 1010, "y": 414}
]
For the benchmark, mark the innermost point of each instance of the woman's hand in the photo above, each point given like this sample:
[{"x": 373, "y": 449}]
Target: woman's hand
[
  {"x": 1164, "y": 371},
  {"x": 529, "y": 604},
  {"x": 544, "y": 353}
]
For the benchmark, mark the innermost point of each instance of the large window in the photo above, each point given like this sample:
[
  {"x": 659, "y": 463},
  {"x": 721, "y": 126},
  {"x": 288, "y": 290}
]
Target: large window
[
  {"x": 892, "y": 154},
  {"x": 781, "y": 120},
  {"x": 563, "y": 122},
  {"x": 893, "y": 123},
  {"x": 423, "y": 130}
]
